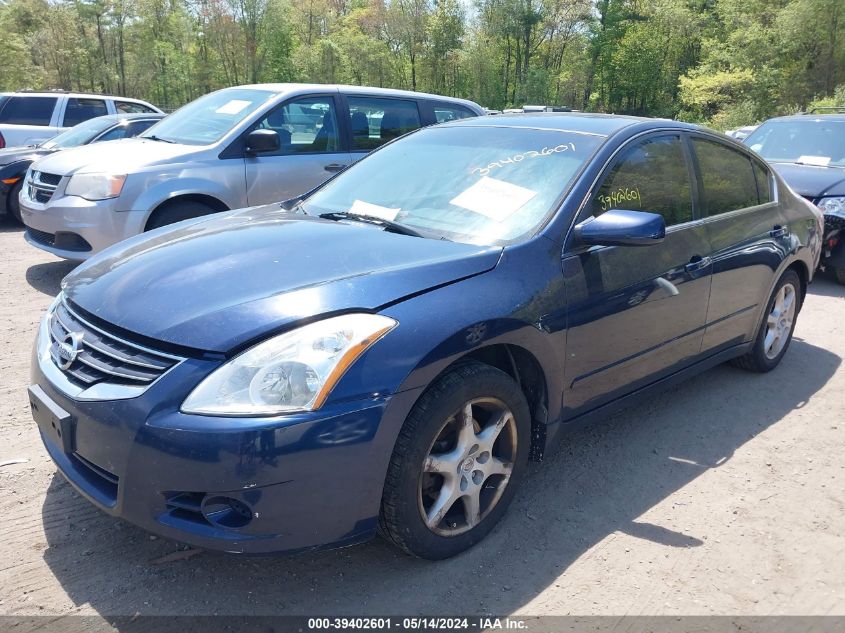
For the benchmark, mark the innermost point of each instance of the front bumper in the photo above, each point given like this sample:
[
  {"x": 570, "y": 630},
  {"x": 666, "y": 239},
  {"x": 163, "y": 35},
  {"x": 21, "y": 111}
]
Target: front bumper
[
  {"x": 75, "y": 228},
  {"x": 300, "y": 482}
]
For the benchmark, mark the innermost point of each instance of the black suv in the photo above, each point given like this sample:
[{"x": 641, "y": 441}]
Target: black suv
[{"x": 808, "y": 151}]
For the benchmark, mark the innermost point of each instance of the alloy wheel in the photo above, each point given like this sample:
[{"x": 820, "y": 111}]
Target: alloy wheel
[{"x": 468, "y": 467}]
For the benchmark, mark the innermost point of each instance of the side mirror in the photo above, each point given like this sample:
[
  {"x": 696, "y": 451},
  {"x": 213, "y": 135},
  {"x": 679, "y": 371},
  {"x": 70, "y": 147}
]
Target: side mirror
[
  {"x": 262, "y": 141},
  {"x": 618, "y": 227}
]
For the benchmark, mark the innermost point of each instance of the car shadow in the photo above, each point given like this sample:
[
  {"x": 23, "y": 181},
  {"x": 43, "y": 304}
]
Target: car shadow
[
  {"x": 825, "y": 285},
  {"x": 47, "y": 278},
  {"x": 8, "y": 224},
  {"x": 602, "y": 481}
]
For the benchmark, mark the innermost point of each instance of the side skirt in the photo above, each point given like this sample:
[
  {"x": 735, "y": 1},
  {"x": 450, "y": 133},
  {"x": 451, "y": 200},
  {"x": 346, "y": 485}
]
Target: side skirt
[{"x": 554, "y": 432}]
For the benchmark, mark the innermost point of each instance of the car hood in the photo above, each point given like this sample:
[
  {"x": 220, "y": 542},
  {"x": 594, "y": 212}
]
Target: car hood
[
  {"x": 812, "y": 181},
  {"x": 125, "y": 156},
  {"x": 216, "y": 284},
  {"x": 18, "y": 154}
]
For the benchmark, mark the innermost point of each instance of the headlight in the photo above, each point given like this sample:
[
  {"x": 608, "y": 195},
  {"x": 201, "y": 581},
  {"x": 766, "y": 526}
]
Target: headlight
[
  {"x": 95, "y": 186},
  {"x": 294, "y": 371},
  {"x": 834, "y": 205}
]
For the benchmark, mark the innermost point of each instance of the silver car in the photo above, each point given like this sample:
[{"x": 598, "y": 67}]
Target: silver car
[
  {"x": 237, "y": 147},
  {"x": 29, "y": 118}
]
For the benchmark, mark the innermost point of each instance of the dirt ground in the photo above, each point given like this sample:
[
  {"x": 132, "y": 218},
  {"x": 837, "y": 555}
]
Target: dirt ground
[{"x": 725, "y": 495}]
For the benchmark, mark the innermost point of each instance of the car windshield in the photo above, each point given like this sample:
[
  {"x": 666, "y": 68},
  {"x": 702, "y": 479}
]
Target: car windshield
[
  {"x": 480, "y": 185},
  {"x": 208, "y": 119},
  {"x": 809, "y": 141},
  {"x": 79, "y": 134}
]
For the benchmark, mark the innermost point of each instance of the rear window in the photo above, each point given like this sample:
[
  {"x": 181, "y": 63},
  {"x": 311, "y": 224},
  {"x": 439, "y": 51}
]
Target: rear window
[
  {"x": 446, "y": 113},
  {"x": 130, "y": 107},
  {"x": 727, "y": 175},
  {"x": 21, "y": 110},
  {"x": 81, "y": 109}
]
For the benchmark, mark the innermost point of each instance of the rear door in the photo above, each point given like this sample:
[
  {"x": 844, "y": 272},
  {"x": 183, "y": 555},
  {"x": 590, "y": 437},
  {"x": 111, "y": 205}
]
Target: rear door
[
  {"x": 636, "y": 314},
  {"x": 313, "y": 148},
  {"x": 28, "y": 119},
  {"x": 375, "y": 120},
  {"x": 747, "y": 236}
]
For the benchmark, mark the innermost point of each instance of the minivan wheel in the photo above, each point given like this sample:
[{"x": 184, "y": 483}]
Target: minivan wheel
[
  {"x": 176, "y": 211},
  {"x": 457, "y": 462},
  {"x": 13, "y": 202},
  {"x": 775, "y": 332}
]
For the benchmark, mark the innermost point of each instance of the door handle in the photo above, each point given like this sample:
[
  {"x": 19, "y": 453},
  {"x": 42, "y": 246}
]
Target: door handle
[
  {"x": 697, "y": 262},
  {"x": 334, "y": 167},
  {"x": 778, "y": 231}
]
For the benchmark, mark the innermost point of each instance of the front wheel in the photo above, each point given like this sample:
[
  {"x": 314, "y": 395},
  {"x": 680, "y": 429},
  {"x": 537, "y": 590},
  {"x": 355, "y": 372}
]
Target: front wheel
[
  {"x": 457, "y": 462},
  {"x": 13, "y": 202},
  {"x": 775, "y": 331}
]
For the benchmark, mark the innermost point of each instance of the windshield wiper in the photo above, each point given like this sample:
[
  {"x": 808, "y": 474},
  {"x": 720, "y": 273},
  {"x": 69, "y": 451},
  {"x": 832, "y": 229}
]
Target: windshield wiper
[
  {"x": 387, "y": 224},
  {"x": 153, "y": 137}
]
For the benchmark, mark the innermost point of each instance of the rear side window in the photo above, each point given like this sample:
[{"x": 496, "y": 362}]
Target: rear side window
[
  {"x": 727, "y": 176},
  {"x": 651, "y": 175},
  {"x": 130, "y": 107},
  {"x": 82, "y": 109},
  {"x": 27, "y": 110},
  {"x": 375, "y": 121},
  {"x": 445, "y": 113},
  {"x": 764, "y": 183}
]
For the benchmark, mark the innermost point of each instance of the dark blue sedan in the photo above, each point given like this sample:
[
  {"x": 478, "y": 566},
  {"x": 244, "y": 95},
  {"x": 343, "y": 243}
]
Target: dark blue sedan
[{"x": 388, "y": 353}]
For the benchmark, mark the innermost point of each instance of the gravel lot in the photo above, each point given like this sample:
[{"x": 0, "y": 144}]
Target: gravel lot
[{"x": 725, "y": 495}]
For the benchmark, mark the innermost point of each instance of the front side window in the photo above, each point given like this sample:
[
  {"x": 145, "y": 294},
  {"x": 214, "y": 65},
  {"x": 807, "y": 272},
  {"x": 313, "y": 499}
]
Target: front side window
[
  {"x": 80, "y": 109},
  {"x": 116, "y": 133},
  {"x": 446, "y": 113},
  {"x": 208, "y": 119},
  {"x": 651, "y": 175},
  {"x": 27, "y": 110},
  {"x": 304, "y": 126},
  {"x": 480, "y": 185},
  {"x": 375, "y": 121},
  {"x": 727, "y": 176}
]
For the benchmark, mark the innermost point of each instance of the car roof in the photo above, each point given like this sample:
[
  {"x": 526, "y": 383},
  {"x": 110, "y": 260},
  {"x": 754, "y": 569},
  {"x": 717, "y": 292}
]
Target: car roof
[
  {"x": 129, "y": 116},
  {"x": 592, "y": 123},
  {"x": 286, "y": 88},
  {"x": 62, "y": 93},
  {"x": 809, "y": 117}
]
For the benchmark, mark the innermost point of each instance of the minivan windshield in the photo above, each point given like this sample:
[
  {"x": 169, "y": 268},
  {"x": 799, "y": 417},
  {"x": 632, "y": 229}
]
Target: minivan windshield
[
  {"x": 480, "y": 185},
  {"x": 206, "y": 120},
  {"x": 79, "y": 134},
  {"x": 807, "y": 141}
]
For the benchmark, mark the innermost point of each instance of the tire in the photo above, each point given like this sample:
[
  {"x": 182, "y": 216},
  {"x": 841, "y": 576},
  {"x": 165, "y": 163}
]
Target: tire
[
  {"x": 13, "y": 204},
  {"x": 176, "y": 211},
  {"x": 839, "y": 275},
  {"x": 431, "y": 442},
  {"x": 764, "y": 357}
]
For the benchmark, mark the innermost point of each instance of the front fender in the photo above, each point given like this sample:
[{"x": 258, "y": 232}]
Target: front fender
[{"x": 148, "y": 191}]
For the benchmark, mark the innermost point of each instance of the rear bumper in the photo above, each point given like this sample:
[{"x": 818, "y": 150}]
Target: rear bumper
[{"x": 306, "y": 481}]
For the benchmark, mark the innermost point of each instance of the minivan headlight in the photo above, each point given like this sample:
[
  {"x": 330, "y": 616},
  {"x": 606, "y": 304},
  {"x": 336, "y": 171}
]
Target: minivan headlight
[
  {"x": 294, "y": 371},
  {"x": 95, "y": 186}
]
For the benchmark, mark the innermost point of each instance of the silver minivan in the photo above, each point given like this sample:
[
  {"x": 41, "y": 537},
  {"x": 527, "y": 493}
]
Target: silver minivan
[{"x": 237, "y": 147}]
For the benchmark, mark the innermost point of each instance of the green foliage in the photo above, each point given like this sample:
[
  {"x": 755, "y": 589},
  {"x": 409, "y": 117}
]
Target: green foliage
[{"x": 723, "y": 62}]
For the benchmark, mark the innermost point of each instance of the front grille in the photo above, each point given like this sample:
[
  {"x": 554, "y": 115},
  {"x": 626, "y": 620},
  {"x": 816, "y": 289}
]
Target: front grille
[
  {"x": 98, "y": 357},
  {"x": 42, "y": 186},
  {"x": 42, "y": 237},
  {"x": 49, "y": 179}
]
